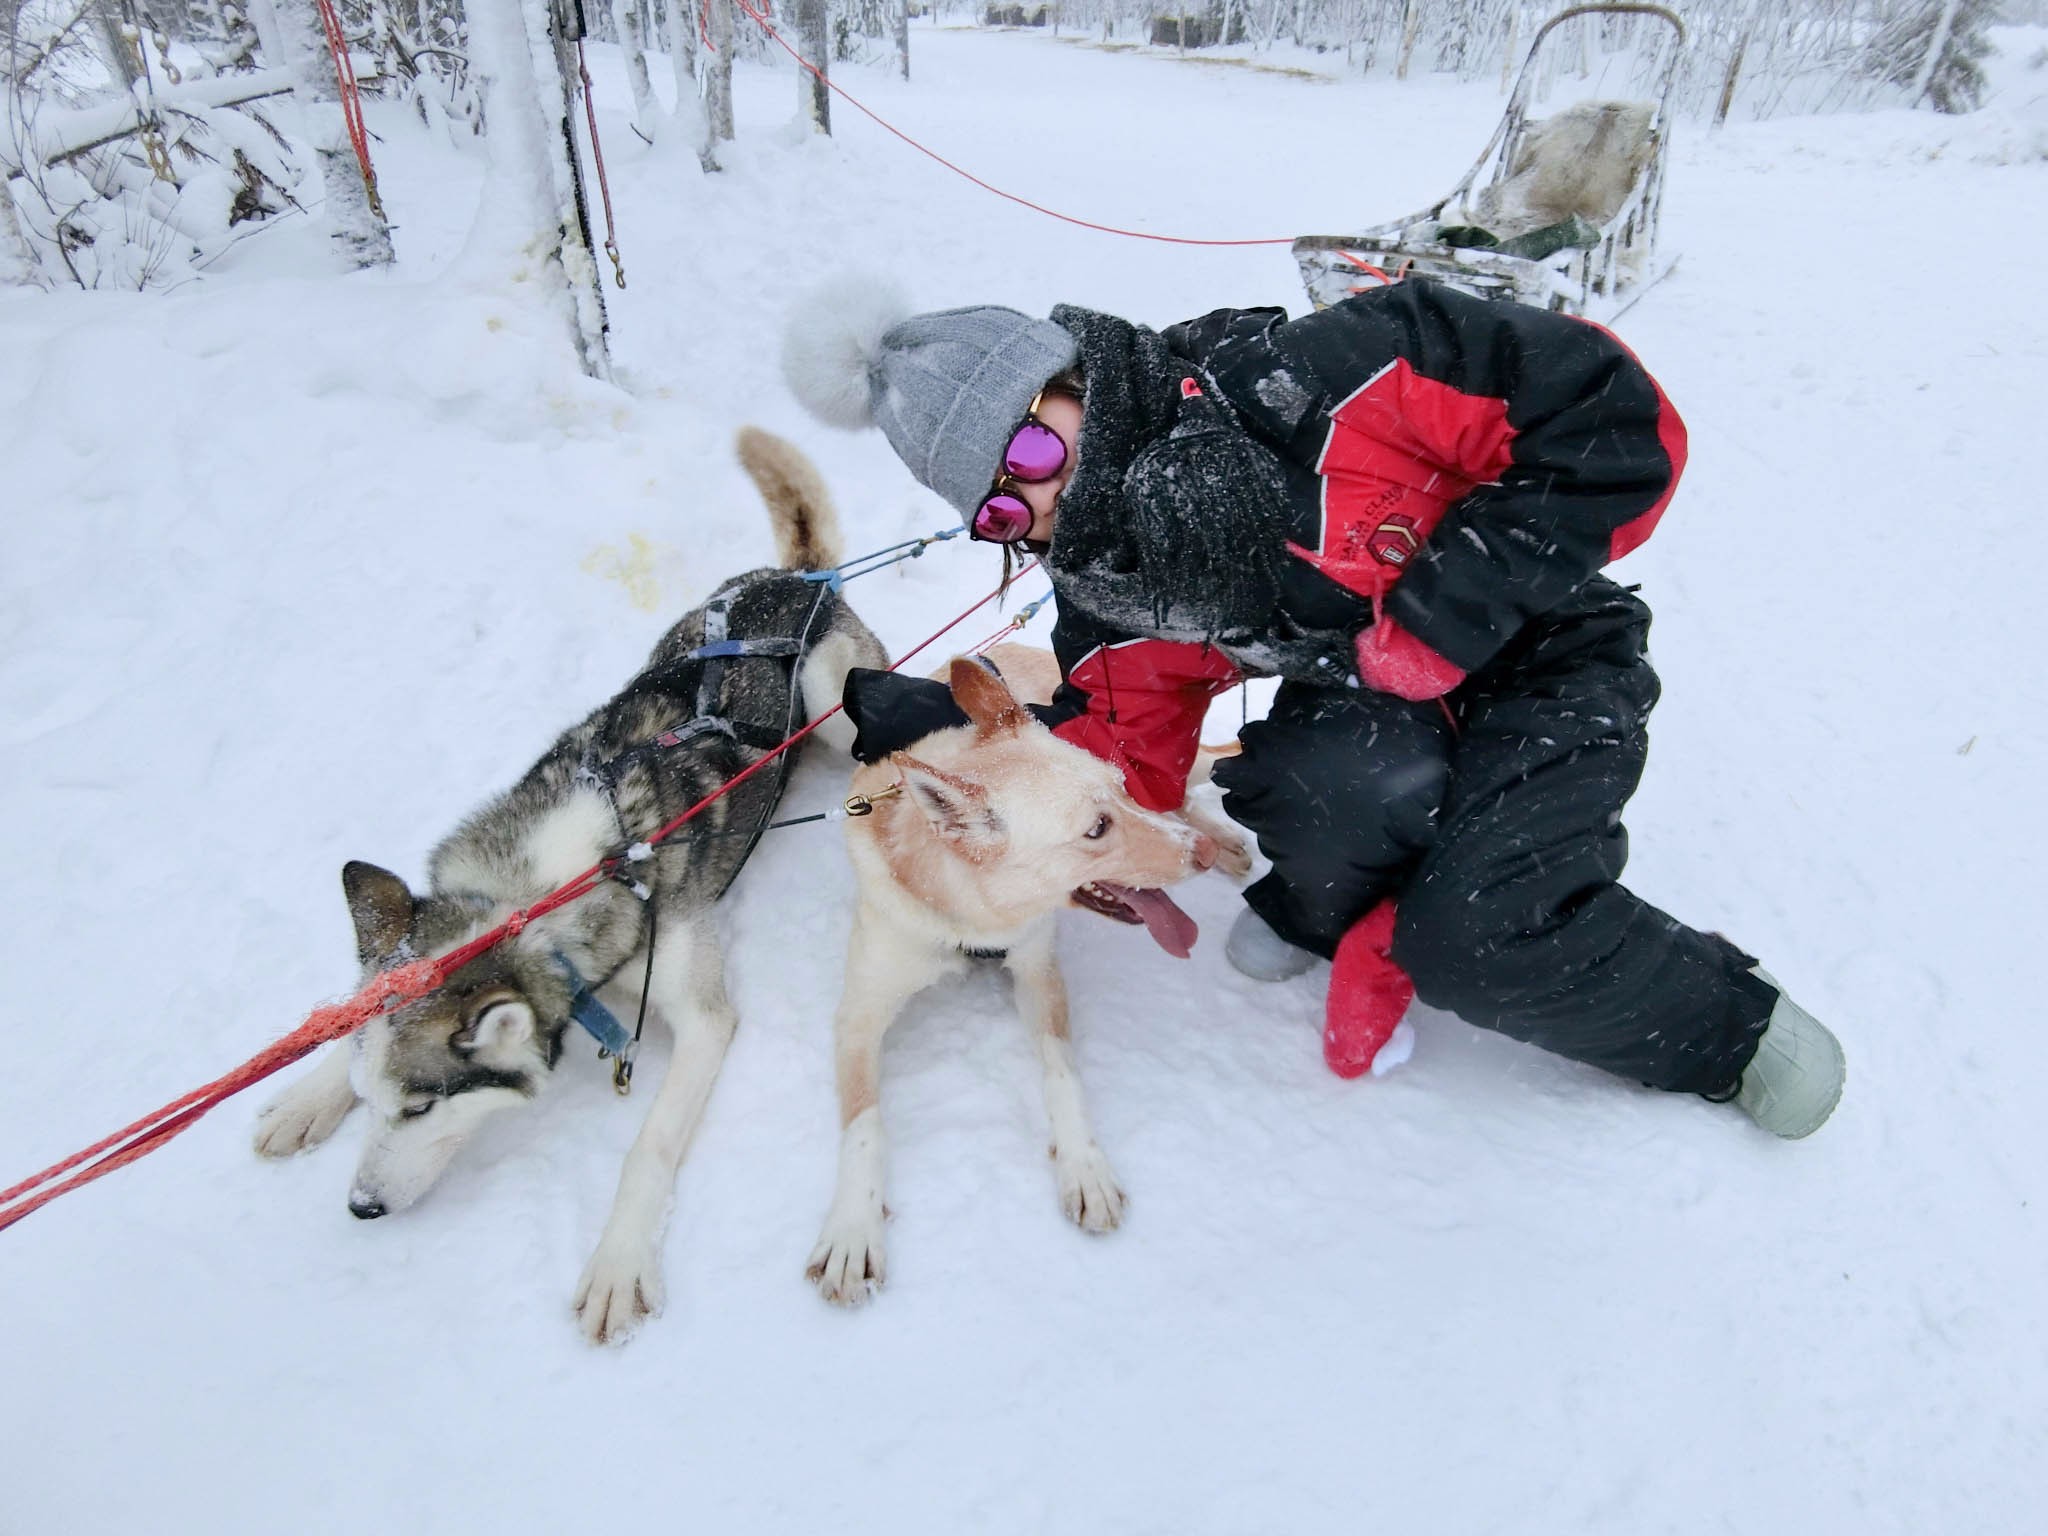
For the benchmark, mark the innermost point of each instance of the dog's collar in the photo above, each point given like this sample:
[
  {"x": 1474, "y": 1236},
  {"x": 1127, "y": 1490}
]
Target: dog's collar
[{"x": 598, "y": 1021}]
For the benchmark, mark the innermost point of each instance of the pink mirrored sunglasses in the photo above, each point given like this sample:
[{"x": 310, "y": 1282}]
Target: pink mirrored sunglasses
[{"x": 1036, "y": 454}]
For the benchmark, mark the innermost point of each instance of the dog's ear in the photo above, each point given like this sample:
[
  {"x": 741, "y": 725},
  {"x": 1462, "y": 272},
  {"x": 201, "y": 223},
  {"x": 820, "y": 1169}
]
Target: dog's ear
[
  {"x": 980, "y": 690},
  {"x": 500, "y": 1022},
  {"x": 381, "y": 906},
  {"x": 956, "y": 807}
]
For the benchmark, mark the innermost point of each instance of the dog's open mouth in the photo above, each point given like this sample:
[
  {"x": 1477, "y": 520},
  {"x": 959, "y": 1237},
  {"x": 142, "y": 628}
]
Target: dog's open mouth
[{"x": 1171, "y": 929}]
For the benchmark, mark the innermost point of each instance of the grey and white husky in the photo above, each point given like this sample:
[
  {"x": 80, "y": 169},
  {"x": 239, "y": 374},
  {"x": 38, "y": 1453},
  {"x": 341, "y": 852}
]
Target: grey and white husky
[{"x": 780, "y": 647}]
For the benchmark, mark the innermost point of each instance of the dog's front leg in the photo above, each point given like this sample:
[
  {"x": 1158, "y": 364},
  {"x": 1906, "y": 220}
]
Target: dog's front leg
[
  {"x": 622, "y": 1283},
  {"x": 883, "y": 972},
  {"x": 1089, "y": 1192},
  {"x": 308, "y": 1111}
]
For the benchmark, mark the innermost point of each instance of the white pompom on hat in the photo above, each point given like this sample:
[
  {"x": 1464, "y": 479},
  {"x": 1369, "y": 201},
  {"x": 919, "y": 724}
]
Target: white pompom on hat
[
  {"x": 832, "y": 347},
  {"x": 947, "y": 388}
]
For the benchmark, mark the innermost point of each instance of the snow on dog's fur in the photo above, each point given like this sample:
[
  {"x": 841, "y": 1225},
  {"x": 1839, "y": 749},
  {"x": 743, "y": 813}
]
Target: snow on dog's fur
[
  {"x": 978, "y": 837},
  {"x": 489, "y": 1039}
]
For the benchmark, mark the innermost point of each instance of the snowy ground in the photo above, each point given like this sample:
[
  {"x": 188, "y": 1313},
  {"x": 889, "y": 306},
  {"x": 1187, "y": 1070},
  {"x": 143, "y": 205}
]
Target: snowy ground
[{"x": 298, "y": 567}]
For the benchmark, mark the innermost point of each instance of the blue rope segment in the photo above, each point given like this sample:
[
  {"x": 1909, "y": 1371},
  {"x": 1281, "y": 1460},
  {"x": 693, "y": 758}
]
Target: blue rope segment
[
  {"x": 1030, "y": 610},
  {"x": 860, "y": 565}
]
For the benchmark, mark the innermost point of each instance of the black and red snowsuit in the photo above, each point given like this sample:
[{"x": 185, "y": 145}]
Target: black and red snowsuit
[{"x": 1413, "y": 485}]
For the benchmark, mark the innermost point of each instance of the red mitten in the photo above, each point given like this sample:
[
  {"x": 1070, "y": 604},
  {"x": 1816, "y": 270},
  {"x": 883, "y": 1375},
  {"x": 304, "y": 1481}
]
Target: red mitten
[
  {"x": 1390, "y": 660},
  {"x": 1368, "y": 994}
]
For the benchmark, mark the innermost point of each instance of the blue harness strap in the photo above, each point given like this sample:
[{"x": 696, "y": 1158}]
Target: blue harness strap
[
  {"x": 598, "y": 1021},
  {"x": 726, "y": 649}
]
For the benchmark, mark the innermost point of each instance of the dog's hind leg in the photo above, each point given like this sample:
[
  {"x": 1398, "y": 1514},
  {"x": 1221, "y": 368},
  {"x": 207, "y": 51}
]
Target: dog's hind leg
[
  {"x": 823, "y": 680},
  {"x": 1089, "y": 1192},
  {"x": 622, "y": 1283},
  {"x": 307, "y": 1113},
  {"x": 882, "y": 974}
]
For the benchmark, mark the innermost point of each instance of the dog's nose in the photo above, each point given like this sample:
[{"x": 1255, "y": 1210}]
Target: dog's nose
[
  {"x": 365, "y": 1207},
  {"x": 1205, "y": 850}
]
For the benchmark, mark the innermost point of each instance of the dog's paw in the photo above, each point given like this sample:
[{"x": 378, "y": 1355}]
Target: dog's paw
[
  {"x": 1089, "y": 1192},
  {"x": 848, "y": 1265},
  {"x": 1233, "y": 848},
  {"x": 1233, "y": 853},
  {"x": 306, "y": 1116},
  {"x": 621, "y": 1286}
]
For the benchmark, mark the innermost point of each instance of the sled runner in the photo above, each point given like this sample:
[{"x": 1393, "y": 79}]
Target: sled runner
[{"x": 1559, "y": 212}]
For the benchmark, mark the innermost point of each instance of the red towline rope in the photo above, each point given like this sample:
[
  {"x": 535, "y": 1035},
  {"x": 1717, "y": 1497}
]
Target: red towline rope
[
  {"x": 385, "y": 992},
  {"x": 351, "y": 103},
  {"x": 1051, "y": 213}
]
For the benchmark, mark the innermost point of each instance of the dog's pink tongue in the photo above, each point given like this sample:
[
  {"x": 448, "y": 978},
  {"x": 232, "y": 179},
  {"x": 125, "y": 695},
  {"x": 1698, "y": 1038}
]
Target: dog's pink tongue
[{"x": 1171, "y": 929}]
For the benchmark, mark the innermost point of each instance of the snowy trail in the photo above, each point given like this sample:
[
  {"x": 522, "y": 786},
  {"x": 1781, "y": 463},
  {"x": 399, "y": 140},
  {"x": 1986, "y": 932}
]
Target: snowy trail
[{"x": 298, "y": 568}]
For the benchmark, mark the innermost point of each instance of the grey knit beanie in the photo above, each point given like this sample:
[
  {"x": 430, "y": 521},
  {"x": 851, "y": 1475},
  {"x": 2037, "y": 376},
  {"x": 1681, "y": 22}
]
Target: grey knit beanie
[{"x": 947, "y": 388}]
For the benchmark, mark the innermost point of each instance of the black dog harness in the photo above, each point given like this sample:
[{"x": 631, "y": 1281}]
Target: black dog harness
[{"x": 716, "y": 653}]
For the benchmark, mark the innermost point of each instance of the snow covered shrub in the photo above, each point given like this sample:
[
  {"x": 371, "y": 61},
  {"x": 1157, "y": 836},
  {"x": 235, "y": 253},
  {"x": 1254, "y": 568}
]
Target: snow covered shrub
[
  {"x": 133, "y": 161},
  {"x": 1935, "y": 49}
]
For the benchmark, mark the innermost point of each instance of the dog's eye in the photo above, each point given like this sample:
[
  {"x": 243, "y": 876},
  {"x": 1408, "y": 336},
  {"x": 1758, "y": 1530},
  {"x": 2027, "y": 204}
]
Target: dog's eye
[
  {"x": 1101, "y": 827},
  {"x": 414, "y": 1111}
]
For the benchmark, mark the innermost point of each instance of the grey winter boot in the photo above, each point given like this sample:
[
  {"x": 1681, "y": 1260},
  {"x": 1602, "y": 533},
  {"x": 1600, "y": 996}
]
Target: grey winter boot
[
  {"x": 1792, "y": 1084},
  {"x": 1260, "y": 953}
]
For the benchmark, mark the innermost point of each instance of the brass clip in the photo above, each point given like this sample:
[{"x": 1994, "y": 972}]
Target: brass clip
[{"x": 864, "y": 805}]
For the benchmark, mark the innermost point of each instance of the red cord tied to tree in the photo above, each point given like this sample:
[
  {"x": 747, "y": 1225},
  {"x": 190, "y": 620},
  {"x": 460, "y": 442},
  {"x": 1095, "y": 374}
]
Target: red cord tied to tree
[{"x": 351, "y": 99}]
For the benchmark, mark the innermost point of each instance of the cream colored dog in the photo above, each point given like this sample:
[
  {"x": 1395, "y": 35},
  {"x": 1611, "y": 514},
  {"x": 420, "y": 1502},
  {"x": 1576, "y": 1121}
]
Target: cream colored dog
[{"x": 974, "y": 845}]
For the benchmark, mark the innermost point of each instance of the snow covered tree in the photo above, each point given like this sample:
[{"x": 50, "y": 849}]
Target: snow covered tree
[
  {"x": 814, "y": 98},
  {"x": 633, "y": 19},
  {"x": 1934, "y": 48},
  {"x": 717, "y": 81},
  {"x": 17, "y": 260},
  {"x": 530, "y": 219},
  {"x": 354, "y": 213}
]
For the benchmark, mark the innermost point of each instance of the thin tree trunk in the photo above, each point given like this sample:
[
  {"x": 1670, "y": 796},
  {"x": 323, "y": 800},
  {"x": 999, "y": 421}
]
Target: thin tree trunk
[
  {"x": 358, "y": 225},
  {"x": 529, "y": 220},
  {"x": 269, "y": 36},
  {"x": 1734, "y": 72},
  {"x": 903, "y": 36},
  {"x": 1411, "y": 27},
  {"x": 718, "y": 83},
  {"x": 17, "y": 258},
  {"x": 813, "y": 96},
  {"x": 117, "y": 46},
  {"x": 1936, "y": 47},
  {"x": 630, "y": 17},
  {"x": 682, "y": 58}
]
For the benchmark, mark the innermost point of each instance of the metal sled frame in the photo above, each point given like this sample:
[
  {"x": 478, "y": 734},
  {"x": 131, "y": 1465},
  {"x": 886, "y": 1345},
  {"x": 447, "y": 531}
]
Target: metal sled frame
[{"x": 1597, "y": 281}]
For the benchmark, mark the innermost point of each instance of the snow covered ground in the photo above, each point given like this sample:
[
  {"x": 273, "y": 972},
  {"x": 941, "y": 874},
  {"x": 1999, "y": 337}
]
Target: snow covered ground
[{"x": 297, "y": 567}]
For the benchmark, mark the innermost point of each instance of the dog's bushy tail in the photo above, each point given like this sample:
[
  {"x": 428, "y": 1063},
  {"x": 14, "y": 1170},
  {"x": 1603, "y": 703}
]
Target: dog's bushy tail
[{"x": 799, "y": 508}]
